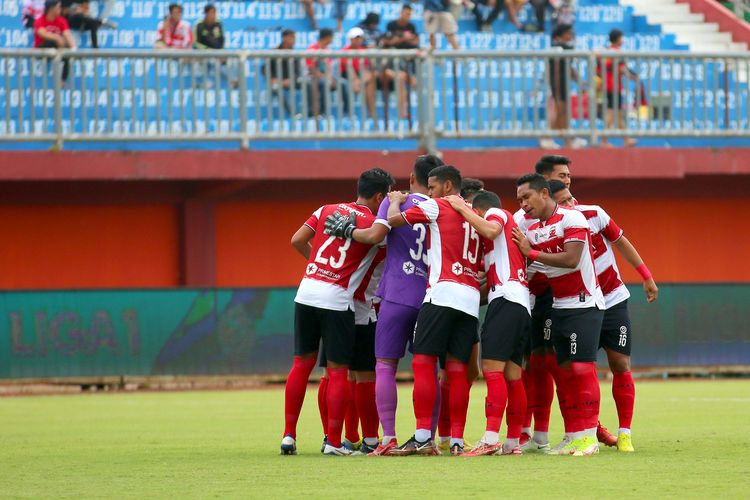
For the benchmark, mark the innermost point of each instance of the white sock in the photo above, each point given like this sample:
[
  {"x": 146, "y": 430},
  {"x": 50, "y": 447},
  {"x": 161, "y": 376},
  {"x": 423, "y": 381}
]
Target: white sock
[
  {"x": 541, "y": 437},
  {"x": 387, "y": 439},
  {"x": 370, "y": 441},
  {"x": 444, "y": 439},
  {"x": 577, "y": 435},
  {"x": 458, "y": 441},
  {"x": 590, "y": 432},
  {"x": 624, "y": 430},
  {"x": 491, "y": 437},
  {"x": 526, "y": 430},
  {"x": 423, "y": 435},
  {"x": 511, "y": 443}
]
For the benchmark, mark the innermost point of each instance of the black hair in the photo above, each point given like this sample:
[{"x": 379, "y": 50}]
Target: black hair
[
  {"x": 546, "y": 164},
  {"x": 372, "y": 18},
  {"x": 445, "y": 173},
  {"x": 560, "y": 30},
  {"x": 208, "y": 8},
  {"x": 325, "y": 33},
  {"x": 555, "y": 186},
  {"x": 470, "y": 187},
  {"x": 173, "y": 6},
  {"x": 537, "y": 182},
  {"x": 406, "y": 6},
  {"x": 485, "y": 200},
  {"x": 287, "y": 32},
  {"x": 374, "y": 181},
  {"x": 423, "y": 166},
  {"x": 615, "y": 35}
]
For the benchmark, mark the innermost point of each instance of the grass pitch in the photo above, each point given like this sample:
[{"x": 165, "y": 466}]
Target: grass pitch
[{"x": 692, "y": 439}]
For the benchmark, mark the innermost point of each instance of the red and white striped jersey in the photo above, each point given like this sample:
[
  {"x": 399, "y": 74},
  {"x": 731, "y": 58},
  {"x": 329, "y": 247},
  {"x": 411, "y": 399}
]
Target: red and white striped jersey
[
  {"x": 604, "y": 232},
  {"x": 537, "y": 280},
  {"x": 504, "y": 262},
  {"x": 364, "y": 312},
  {"x": 336, "y": 266},
  {"x": 573, "y": 288},
  {"x": 453, "y": 253}
]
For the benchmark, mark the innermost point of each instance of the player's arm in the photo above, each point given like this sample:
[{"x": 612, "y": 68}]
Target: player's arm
[
  {"x": 488, "y": 229},
  {"x": 373, "y": 235},
  {"x": 568, "y": 258},
  {"x": 301, "y": 240},
  {"x": 628, "y": 251},
  {"x": 396, "y": 198}
]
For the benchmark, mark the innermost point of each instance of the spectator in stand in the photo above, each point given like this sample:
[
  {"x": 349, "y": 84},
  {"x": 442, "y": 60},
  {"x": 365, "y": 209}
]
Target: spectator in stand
[
  {"x": 559, "y": 70},
  {"x": 51, "y": 30},
  {"x": 356, "y": 71},
  {"x": 401, "y": 34},
  {"x": 320, "y": 71},
  {"x": 614, "y": 94},
  {"x": 339, "y": 13},
  {"x": 209, "y": 33},
  {"x": 78, "y": 15},
  {"x": 563, "y": 12},
  {"x": 371, "y": 28},
  {"x": 31, "y": 10},
  {"x": 438, "y": 19},
  {"x": 495, "y": 7},
  {"x": 173, "y": 32},
  {"x": 284, "y": 72}
]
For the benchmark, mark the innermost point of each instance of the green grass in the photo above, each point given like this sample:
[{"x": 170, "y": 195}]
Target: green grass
[{"x": 691, "y": 440}]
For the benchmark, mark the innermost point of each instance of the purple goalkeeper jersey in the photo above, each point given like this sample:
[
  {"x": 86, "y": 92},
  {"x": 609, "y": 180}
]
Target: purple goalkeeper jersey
[{"x": 404, "y": 278}]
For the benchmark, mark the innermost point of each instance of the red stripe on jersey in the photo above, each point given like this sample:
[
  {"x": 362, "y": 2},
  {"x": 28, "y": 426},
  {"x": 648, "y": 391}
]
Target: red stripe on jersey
[
  {"x": 538, "y": 284},
  {"x": 568, "y": 285},
  {"x": 609, "y": 280},
  {"x": 360, "y": 294}
]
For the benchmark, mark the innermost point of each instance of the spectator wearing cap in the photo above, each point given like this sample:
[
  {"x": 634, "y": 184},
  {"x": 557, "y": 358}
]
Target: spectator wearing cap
[
  {"x": 370, "y": 26},
  {"x": 51, "y": 30},
  {"x": 401, "y": 34},
  {"x": 438, "y": 19},
  {"x": 173, "y": 31},
  {"x": 356, "y": 70}
]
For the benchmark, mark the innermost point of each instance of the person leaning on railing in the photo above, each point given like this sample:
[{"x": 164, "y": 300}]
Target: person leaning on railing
[
  {"x": 356, "y": 72},
  {"x": 400, "y": 34},
  {"x": 51, "y": 30},
  {"x": 615, "y": 98},
  {"x": 173, "y": 32},
  {"x": 320, "y": 74}
]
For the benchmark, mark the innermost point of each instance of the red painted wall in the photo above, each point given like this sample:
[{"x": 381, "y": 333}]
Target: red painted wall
[{"x": 101, "y": 246}]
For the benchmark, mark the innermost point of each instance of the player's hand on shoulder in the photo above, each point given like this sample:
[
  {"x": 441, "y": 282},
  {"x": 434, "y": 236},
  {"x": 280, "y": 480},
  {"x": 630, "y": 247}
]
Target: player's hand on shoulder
[
  {"x": 397, "y": 197},
  {"x": 340, "y": 225},
  {"x": 456, "y": 201},
  {"x": 523, "y": 243}
]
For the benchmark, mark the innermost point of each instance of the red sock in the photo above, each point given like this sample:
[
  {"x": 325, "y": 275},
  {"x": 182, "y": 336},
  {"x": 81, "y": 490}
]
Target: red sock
[
  {"x": 351, "y": 418},
  {"x": 516, "y": 408},
  {"x": 423, "y": 394},
  {"x": 542, "y": 393},
  {"x": 294, "y": 392},
  {"x": 564, "y": 381},
  {"x": 623, "y": 390},
  {"x": 459, "y": 396},
  {"x": 323, "y": 403},
  {"x": 588, "y": 394},
  {"x": 527, "y": 377},
  {"x": 367, "y": 409},
  {"x": 444, "y": 420},
  {"x": 497, "y": 399},
  {"x": 338, "y": 399}
]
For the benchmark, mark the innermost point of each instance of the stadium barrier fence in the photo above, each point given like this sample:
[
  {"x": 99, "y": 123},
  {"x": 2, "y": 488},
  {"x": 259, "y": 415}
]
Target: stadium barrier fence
[
  {"x": 196, "y": 332},
  {"x": 244, "y": 96}
]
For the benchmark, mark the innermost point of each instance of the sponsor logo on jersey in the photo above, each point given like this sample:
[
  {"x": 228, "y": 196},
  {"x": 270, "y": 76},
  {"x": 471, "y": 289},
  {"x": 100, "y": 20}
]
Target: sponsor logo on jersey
[
  {"x": 457, "y": 268},
  {"x": 408, "y": 267}
]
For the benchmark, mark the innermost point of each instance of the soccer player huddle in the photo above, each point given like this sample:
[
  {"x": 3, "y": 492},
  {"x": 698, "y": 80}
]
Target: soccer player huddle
[{"x": 394, "y": 270}]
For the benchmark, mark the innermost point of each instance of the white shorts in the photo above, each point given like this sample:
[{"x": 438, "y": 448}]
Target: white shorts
[{"x": 440, "y": 22}]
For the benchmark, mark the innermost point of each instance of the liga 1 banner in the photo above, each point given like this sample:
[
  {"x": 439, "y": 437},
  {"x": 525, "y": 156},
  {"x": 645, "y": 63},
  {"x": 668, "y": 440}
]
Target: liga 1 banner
[{"x": 57, "y": 334}]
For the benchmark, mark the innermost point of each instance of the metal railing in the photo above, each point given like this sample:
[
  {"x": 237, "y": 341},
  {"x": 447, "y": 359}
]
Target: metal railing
[{"x": 292, "y": 95}]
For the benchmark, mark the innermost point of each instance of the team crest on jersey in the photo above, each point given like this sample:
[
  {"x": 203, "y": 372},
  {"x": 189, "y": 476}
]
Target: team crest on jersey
[
  {"x": 311, "y": 268},
  {"x": 408, "y": 267},
  {"x": 552, "y": 233},
  {"x": 457, "y": 268}
]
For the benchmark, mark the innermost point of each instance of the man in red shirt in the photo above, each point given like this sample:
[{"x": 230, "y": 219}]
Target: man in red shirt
[
  {"x": 51, "y": 30},
  {"x": 356, "y": 70},
  {"x": 560, "y": 241},
  {"x": 174, "y": 32},
  {"x": 324, "y": 306},
  {"x": 614, "y": 87},
  {"x": 506, "y": 325},
  {"x": 448, "y": 319}
]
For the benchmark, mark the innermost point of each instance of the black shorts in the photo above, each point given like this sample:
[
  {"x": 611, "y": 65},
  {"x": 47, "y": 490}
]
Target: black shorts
[
  {"x": 615, "y": 333},
  {"x": 441, "y": 330},
  {"x": 335, "y": 328},
  {"x": 505, "y": 331},
  {"x": 575, "y": 333},
  {"x": 363, "y": 358},
  {"x": 541, "y": 323},
  {"x": 611, "y": 101}
]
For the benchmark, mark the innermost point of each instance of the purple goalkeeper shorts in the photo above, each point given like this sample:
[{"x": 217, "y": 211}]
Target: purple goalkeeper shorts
[{"x": 394, "y": 330}]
